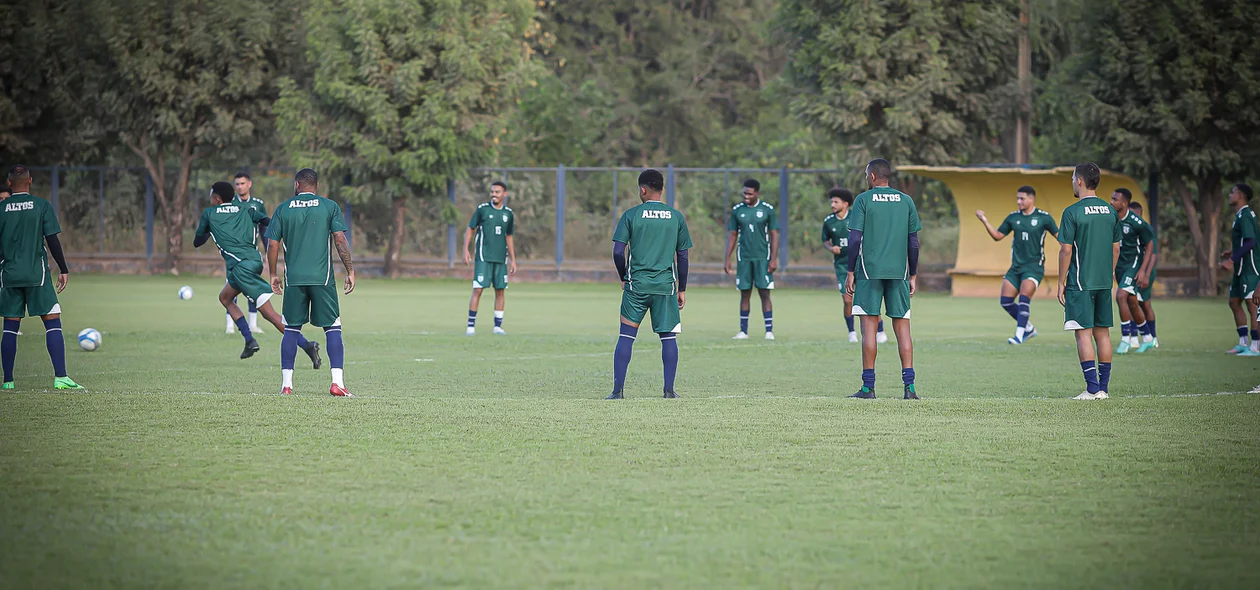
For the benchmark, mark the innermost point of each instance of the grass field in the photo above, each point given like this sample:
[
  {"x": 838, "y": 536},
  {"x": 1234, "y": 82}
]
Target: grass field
[{"x": 493, "y": 461}]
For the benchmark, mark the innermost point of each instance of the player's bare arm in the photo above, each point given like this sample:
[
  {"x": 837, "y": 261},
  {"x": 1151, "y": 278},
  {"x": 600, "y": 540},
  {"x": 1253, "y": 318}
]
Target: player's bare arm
[
  {"x": 1065, "y": 259},
  {"x": 511, "y": 244},
  {"x": 730, "y": 249},
  {"x": 850, "y": 285},
  {"x": 273, "y": 259},
  {"x": 774, "y": 250},
  {"x": 468, "y": 234},
  {"x": 993, "y": 233},
  {"x": 1144, "y": 273},
  {"x": 343, "y": 251},
  {"x": 1115, "y": 254}
]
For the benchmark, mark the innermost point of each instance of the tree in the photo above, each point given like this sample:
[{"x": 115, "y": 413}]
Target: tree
[
  {"x": 405, "y": 94},
  {"x": 1174, "y": 86}
]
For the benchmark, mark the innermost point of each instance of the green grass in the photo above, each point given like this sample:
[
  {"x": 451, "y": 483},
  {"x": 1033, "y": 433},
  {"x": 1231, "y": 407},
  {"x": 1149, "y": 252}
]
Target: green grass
[{"x": 492, "y": 461}]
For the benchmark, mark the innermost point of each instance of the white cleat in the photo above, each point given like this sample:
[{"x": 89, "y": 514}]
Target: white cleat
[
  {"x": 741, "y": 336},
  {"x": 881, "y": 337},
  {"x": 769, "y": 335},
  {"x": 470, "y": 332},
  {"x": 853, "y": 337},
  {"x": 499, "y": 331},
  {"x": 1085, "y": 395},
  {"x": 1256, "y": 389},
  {"x": 1156, "y": 341},
  {"x": 1102, "y": 395}
]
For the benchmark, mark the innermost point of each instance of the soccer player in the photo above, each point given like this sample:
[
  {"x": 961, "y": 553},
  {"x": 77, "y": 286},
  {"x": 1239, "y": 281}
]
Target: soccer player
[
  {"x": 1089, "y": 238},
  {"x": 835, "y": 237},
  {"x": 1242, "y": 261},
  {"x": 243, "y": 184},
  {"x": 883, "y": 267},
  {"x": 650, "y": 248},
  {"x": 494, "y": 224},
  {"x": 5, "y": 193},
  {"x": 27, "y": 225},
  {"x": 1133, "y": 270},
  {"x": 1028, "y": 258},
  {"x": 1145, "y": 290},
  {"x": 234, "y": 229},
  {"x": 754, "y": 240},
  {"x": 310, "y": 226}
]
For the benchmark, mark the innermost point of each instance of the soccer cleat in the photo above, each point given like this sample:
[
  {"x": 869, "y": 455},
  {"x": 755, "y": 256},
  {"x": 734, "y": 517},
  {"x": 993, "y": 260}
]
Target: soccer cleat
[
  {"x": 7, "y": 385},
  {"x": 910, "y": 394},
  {"x": 312, "y": 350},
  {"x": 881, "y": 337},
  {"x": 1237, "y": 349},
  {"x": 615, "y": 395},
  {"x": 286, "y": 391},
  {"x": 769, "y": 335},
  {"x": 250, "y": 348},
  {"x": 470, "y": 331},
  {"x": 1014, "y": 340},
  {"x": 1123, "y": 348},
  {"x": 741, "y": 336},
  {"x": 1085, "y": 395},
  {"x": 853, "y": 337},
  {"x": 499, "y": 331},
  {"x": 1146, "y": 346},
  {"x": 65, "y": 383},
  {"x": 864, "y": 393},
  {"x": 339, "y": 391},
  {"x": 1255, "y": 389},
  {"x": 1101, "y": 395},
  {"x": 1249, "y": 352},
  {"x": 1030, "y": 332},
  {"x": 1156, "y": 341},
  {"x": 670, "y": 395}
]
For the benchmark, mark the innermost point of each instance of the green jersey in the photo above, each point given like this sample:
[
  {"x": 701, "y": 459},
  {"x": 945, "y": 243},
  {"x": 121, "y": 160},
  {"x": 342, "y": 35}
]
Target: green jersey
[
  {"x": 655, "y": 232},
  {"x": 233, "y": 228},
  {"x": 306, "y": 224},
  {"x": 753, "y": 225},
  {"x": 24, "y": 223},
  {"x": 1090, "y": 225},
  {"x": 1028, "y": 236},
  {"x": 1135, "y": 234},
  {"x": 886, "y": 217},
  {"x": 1245, "y": 226},
  {"x": 493, "y": 227},
  {"x": 836, "y": 230},
  {"x": 254, "y": 204}
]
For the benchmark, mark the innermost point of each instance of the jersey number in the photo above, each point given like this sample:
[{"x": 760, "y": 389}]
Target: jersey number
[
  {"x": 499, "y": 231},
  {"x": 1024, "y": 234}
]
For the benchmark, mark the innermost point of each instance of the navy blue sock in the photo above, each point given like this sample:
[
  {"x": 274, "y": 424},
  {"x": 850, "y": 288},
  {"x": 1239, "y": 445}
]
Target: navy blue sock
[
  {"x": 1008, "y": 303},
  {"x": 8, "y": 347},
  {"x": 1126, "y": 328},
  {"x": 336, "y": 348},
  {"x": 669, "y": 357},
  {"x": 621, "y": 356},
  {"x": 1242, "y": 331},
  {"x": 56, "y": 343},
  {"x": 1150, "y": 325},
  {"x": 881, "y": 325},
  {"x": 848, "y": 321},
  {"x": 242, "y": 325},
  {"x": 472, "y": 318},
  {"x": 1091, "y": 376},
  {"x": 253, "y": 308},
  {"x": 769, "y": 315},
  {"x": 1142, "y": 329},
  {"x": 868, "y": 378},
  {"x": 1025, "y": 303},
  {"x": 1255, "y": 334},
  {"x": 743, "y": 321},
  {"x": 907, "y": 376},
  {"x": 498, "y": 319},
  {"x": 302, "y": 342},
  {"x": 1104, "y": 375},
  {"x": 289, "y": 346}
]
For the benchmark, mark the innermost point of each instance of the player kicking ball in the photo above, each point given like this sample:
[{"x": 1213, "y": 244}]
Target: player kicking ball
[
  {"x": 1027, "y": 227},
  {"x": 1241, "y": 260},
  {"x": 650, "y": 248},
  {"x": 494, "y": 224},
  {"x": 232, "y": 226}
]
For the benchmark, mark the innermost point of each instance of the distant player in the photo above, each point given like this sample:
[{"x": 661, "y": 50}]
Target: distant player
[
  {"x": 5, "y": 193},
  {"x": 883, "y": 267},
  {"x": 243, "y": 184},
  {"x": 310, "y": 226},
  {"x": 27, "y": 225},
  {"x": 1145, "y": 291},
  {"x": 754, "y": 240},
  {"x": 650, "y": 248},
  {"x": 1089, "y": 238},
  {"x": 1246, "y": 273},
  {"x": 1028, "y": 258},
  {"x": 1133, "y": 274},
  {"x": 493, "y": 224},
  {"x": 835, "y": 237},
  {"x": 233, "y": 227}
]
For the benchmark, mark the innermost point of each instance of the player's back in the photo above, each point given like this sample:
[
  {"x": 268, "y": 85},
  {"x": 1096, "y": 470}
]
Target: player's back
[
  {"x": 24, "y": 221},
  {"x": 305, "y": 225},
  {"x": 655, "y": 232},
  {"x": 886, "y": 217},
  {"x": 232, "y": 227},
  {"x": 1092, "y": 226}
]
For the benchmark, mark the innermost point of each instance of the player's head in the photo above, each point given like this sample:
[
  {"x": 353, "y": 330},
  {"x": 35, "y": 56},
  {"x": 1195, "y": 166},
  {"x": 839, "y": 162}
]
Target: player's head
[
  {"x": 305, "y": 181},
  {"x": 5, "y": 193},
  {"x": 651, "y": 184},
  {"x": 1238, "y": 196},
  {"x": 1121, "y": 198},
  {"x": 498, "y": 192},
  {"x": 878, "y": 173},
  {"x": 221, "y": 192},
  {"x": 752, "y": 191},
  {"x": 1085, "y": 179},
  {"x": 1136, "y": 208},
  {"x": 840, "y": 199},
  {"x": 1026, "y": 198},
  {"x": 19, "y": 178},
  {"x": 243, "y": 183}
]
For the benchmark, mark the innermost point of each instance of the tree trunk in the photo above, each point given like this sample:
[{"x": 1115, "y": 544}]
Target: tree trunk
[
  {"x": 394, "y": 251},
  {"x": 1203, "y": 212},
  {"x": 172, "y": 201}
]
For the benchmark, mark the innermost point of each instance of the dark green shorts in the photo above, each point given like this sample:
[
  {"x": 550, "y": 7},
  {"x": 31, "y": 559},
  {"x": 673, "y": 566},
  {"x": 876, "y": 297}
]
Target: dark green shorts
[
  {"x": 1017, "y": 275},
  {"x": 1145, "y": 294},
  {"x": 842, "y": 275},
  {"x": 666, "y": 317},
  {"x": 1127, "y": 280},
  {"x": 16, "y": 302},
  {"x": 313, "y": 304},
  {"x": 1087, "y": 309},
  {"x": 1241, "y": 287},
  {"x": 753, "y": 273},
  {"x": 894, "y": 294},
  {"x": 487, "y": 274},
  {"x": 246, "y": 277}
]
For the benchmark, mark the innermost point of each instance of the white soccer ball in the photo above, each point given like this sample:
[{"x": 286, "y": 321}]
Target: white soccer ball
[
  {"x": 185, "y": 292},
  {"x": 89, "y": 339}
]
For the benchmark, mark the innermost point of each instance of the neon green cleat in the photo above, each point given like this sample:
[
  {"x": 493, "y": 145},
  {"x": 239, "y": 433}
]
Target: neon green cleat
[
  {"x": 1123, "y": 348},
  {"x": 65, "y": 383},
  {"x": 7, "y": 385},
  {"x": 1146, "y": 346}
]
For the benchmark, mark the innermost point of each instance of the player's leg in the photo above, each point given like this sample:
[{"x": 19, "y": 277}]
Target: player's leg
[
  {"x": 1023, "y": 315},
  {"x": 1127, "y": 329},
  {"x": 1254, "y": 349},
  {"x": 867, "y": 298},
  {"x": 1149, "y": 311},
  {"x": 1078, "y": 317},
  {"x": 297, "y": 312},
  {"x": 42, "y": 301},
  {"x": 230, "y": 326},
  {"x": 767, "y": 312},
  {"x": 667, "y": 323},
  {"x": 311, "y": 347},
  {"x": 745, "y": 305},
  {"x": 897, "y": 306},
  {"x": 326, "y": 314},
  {"x": 1010, "y": 290},
  {"x": 253, "y": 318},
  {"x": 247, "y": 277},
  {"x": 473, "y": 303},
  {"x": 1102, "y": 338},
  {"x": 227, "y": 298},
  {"x": 848, "y": 314},
  {"x": 633, "y": 307},
  {"x": 1140, "y": 336},
  {"x": 499, "y": 298},
  {"x": 13, "y": 308}
]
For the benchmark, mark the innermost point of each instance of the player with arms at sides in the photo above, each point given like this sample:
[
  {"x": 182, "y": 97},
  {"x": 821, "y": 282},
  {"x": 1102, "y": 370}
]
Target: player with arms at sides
[
  {"x": 754, "y": 241},
  {"x": 493, "y": 224},
  {"x": 1089, "y": 238},
  {"x": 835, "y": 238},
  {"x": 27, "y": 225},
  {"x": 243, "y": 185},
  {"x": 234, "y": 229},
  {"x": 1241, "y": 261},
  {"x": 309, "y": 226},
  {"x": 1133, "y": 274},
  {"x": 1145, "y": 291},
  {"x": 1027, "y": 227},
  {"x": 650, "y": 248},
  {"x": 883, "y": 266}
]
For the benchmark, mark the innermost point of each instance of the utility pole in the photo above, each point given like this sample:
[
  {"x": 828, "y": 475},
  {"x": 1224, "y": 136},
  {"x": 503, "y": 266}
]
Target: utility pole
[{"x": 1023, "y": 124}]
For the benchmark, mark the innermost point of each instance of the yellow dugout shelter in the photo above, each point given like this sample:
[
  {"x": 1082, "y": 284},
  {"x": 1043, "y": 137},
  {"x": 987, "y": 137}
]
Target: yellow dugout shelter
[{"x": 981, "y": 262}]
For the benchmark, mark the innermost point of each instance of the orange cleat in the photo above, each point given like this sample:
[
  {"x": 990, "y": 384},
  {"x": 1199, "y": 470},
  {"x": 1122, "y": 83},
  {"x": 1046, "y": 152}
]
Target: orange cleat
[
  {"x": 286, "y": 391},
  {"x": 339, "y": 391}
]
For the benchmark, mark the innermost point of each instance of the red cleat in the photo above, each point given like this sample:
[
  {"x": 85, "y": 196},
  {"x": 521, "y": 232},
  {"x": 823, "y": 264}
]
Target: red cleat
[
  {"x": 339, "y": 391},
  {"x": 286, "y": 391}
]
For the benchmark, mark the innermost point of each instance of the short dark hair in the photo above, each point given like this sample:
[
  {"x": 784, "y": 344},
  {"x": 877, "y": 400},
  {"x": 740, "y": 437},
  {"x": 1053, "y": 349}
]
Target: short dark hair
[
  {"x": 244, "y": 175},
  {"x": 223, "y": 190},
  {"x": 500, "y": 183},
  {"x": 1089, "y": 173},
  {"x": 1136, "y": 207},
  {"x": 5, "y": 189},
  {"x": 843, "y": 194},
  {"x": 19, "y": 173},
  {"x": 880, "y": 168},
  {"x": 1027, "y": 190},
  {"x": 652, "y": 180},
  {"x": 307, "y": 177},
  {"x": 1125, "y": 194},
  {"x": 752, "y": 184},
  {"x": 1242, "y": 187}
]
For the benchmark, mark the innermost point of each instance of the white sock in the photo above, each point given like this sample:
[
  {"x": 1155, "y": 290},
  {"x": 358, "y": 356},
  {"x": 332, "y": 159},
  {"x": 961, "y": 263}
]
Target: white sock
[
  {"x": 1255, "y": 345},
  {"x": 253, "y": 320},
  {"x": 286, "y": 378},
  {"x": 230, "y": 324},
  {"x": 338, "y": 377},
  {"x": 1019, "y": 333},
  {"x": 498, "y": 314},
  {"x": 1242, "y": 340}
]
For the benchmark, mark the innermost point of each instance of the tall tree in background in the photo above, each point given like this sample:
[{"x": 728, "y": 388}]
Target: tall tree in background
[
  {"x": 1174, "y": 86},
  {"x": 405, "y": 94}
]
